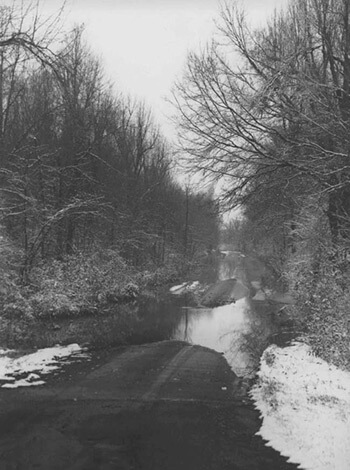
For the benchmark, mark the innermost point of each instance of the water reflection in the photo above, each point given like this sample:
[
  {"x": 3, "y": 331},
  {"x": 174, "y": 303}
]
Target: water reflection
[
  {"x": 240, "y": 330},
  {"x": 232, "y": 266},
  {"x": 236, "y": 330}
]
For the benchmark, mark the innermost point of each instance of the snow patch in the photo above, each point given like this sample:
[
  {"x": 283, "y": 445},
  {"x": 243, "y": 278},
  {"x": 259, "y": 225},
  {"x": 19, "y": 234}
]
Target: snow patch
[
  {"x": 192, "y": 286},
  {"x": 176, "y": 288},
  {"x": 185, "y": 287},
  {"x": 305, "y": 407},
  {"x": 43, "y": 361}
]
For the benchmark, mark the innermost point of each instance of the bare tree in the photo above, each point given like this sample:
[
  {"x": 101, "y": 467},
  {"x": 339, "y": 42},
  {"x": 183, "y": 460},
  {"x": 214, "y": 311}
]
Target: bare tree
[{"x": 261, "y": 105}]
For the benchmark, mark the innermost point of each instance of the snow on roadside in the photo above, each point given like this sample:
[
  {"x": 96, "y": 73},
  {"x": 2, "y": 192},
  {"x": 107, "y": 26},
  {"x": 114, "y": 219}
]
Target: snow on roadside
[
  {"x": 23, "y": 371},
  {"x": 305, "y": 407},
  {"x": 185, "y": 287},
  {"x": 179, "y": 287}
]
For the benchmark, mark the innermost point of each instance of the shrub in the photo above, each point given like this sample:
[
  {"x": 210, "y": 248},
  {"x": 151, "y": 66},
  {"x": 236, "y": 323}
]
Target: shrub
[
  {"x": 322, "y": 293},
  {"x": 318, "y": 274},
  {"x": 12, "y": 298},
  {"x": 80, "y": 283}
]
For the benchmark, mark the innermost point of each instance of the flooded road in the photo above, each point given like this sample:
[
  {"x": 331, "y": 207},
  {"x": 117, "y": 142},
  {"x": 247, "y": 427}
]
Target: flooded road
[
  {"x": 240, "y": 328},
  {"x": 246, "y": 325},
  {"x": 172, "y": 402},
  {"x": 235, "y": 330}
]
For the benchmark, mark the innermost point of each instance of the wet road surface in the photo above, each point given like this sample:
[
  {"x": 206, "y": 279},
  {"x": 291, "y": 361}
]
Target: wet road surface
[{"x": 168, "y": 405}]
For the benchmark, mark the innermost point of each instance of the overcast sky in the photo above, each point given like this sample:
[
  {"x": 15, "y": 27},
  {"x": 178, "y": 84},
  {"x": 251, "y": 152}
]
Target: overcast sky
[{"x": 143, "y": 43}]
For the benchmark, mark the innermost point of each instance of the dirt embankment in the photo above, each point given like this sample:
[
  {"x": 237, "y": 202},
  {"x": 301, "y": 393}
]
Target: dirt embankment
[{"x": 224, "y": 292}]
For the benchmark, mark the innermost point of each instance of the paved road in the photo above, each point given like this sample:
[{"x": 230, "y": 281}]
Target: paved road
[{"x": 163, "y": 406}]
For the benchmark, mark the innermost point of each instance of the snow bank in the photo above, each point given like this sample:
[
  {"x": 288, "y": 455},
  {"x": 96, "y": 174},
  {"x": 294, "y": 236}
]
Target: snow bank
[
  {"x": 179, "y": 287},
  {"x": 23, "y": 371},
  {"x": 185, "y": 287},
  {"x": 305, "y": 406}
]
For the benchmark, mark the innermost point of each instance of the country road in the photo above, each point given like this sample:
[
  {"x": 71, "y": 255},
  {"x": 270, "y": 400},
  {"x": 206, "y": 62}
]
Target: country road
[{"x": 167, "y": 405}]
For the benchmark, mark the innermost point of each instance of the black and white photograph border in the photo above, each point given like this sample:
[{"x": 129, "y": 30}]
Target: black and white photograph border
[{"x": 174, "y": 234}]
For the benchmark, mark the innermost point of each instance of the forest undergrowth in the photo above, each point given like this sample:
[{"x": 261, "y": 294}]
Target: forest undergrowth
[
  {"x": 322, "y": 306},
  {"x": 96, "y": 295}
]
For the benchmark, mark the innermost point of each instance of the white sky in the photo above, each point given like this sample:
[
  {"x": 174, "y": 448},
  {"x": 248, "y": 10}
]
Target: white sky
[{"x": 143, "y": 44}]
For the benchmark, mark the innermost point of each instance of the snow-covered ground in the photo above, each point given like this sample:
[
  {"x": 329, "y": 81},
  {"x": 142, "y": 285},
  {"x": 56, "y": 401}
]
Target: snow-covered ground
[
  {"x": 305, "y": 407},
  {"x": 28, "y": 369}
]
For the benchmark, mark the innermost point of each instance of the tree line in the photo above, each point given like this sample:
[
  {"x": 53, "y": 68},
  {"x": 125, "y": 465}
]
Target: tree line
[
  {"x": 267, "y": 111},
  {"x": 83, "y": 167}
]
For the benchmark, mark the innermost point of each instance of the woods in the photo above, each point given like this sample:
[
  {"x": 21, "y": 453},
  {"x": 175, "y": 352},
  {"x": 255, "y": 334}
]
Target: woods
[
  {"x": 88, "y": 184},
  {"x": 84, "y": 171},
  {"x": 175, "y": 262},
  {"x": 267, "y": 111}
]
